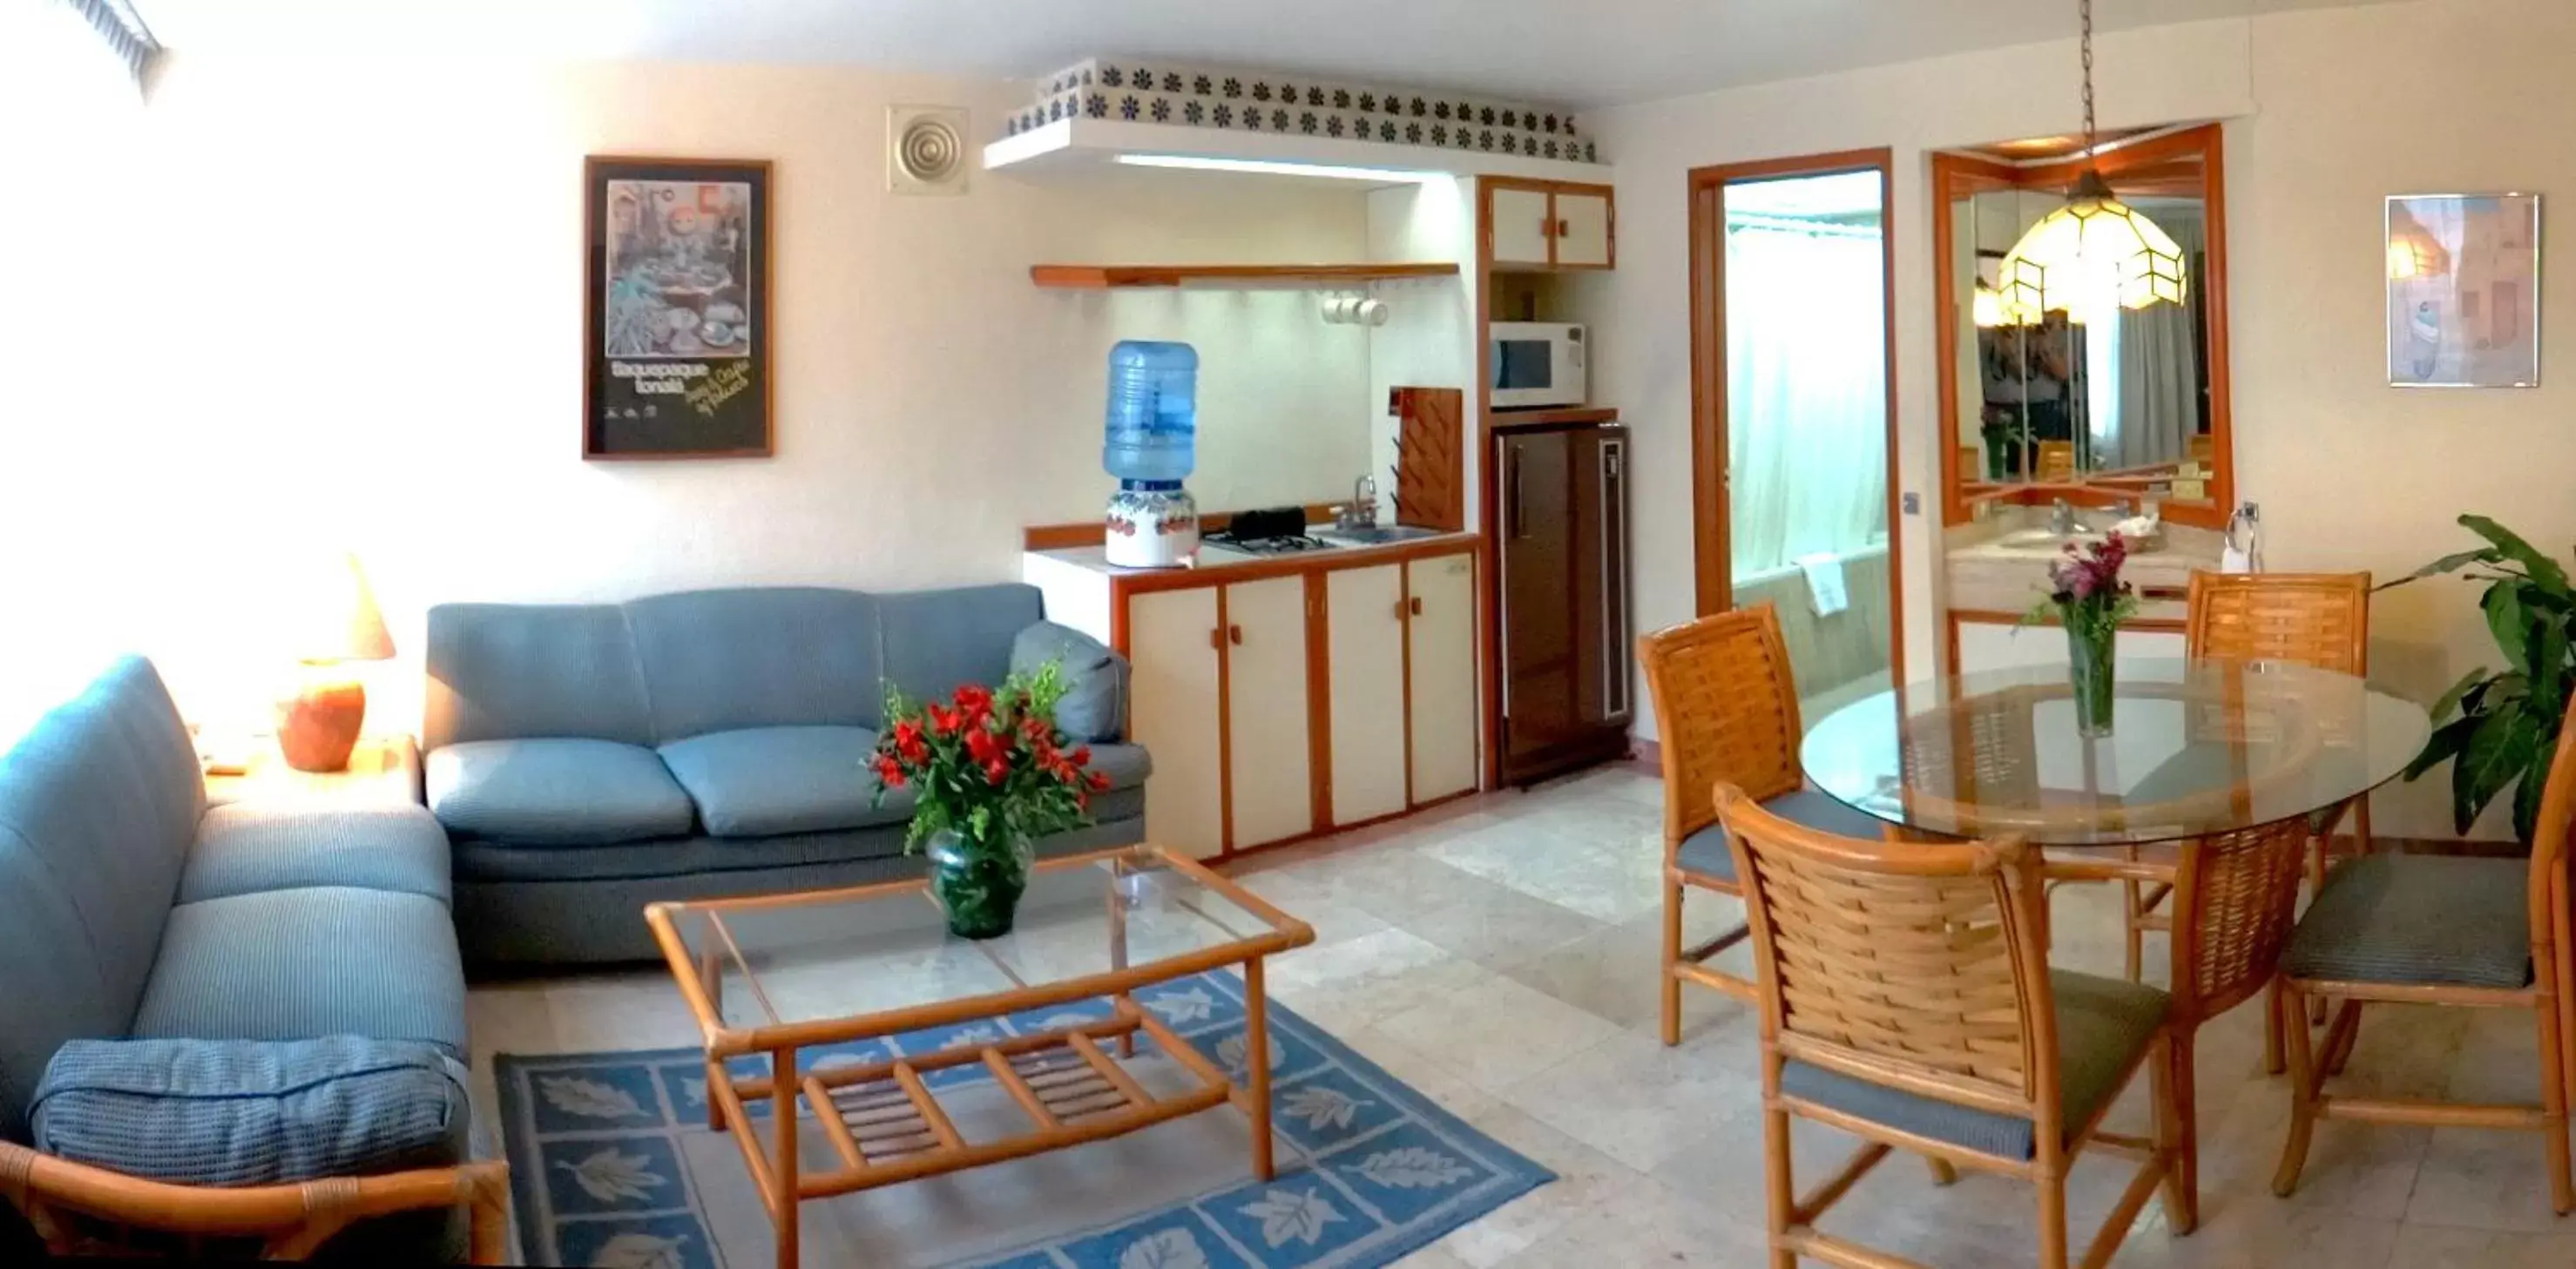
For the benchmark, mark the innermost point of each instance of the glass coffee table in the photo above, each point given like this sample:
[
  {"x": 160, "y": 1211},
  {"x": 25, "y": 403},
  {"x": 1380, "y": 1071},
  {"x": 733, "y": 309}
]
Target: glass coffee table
[{"x": 773, "y": 976}]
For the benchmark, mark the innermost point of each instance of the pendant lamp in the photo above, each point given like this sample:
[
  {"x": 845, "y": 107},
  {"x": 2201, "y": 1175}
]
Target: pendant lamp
[{"x": 2096, "y": 247}]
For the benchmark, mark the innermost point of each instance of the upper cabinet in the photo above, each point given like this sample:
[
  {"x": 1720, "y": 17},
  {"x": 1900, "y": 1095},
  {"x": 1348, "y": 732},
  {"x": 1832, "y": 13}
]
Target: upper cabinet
[
  {"x": 2081, "y": 387},
  {"x": 1539, "y": 225}
]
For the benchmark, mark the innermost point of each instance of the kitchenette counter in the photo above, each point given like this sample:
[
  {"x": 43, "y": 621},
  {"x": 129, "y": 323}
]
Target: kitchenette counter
[{"x": 1214, "y": 558}]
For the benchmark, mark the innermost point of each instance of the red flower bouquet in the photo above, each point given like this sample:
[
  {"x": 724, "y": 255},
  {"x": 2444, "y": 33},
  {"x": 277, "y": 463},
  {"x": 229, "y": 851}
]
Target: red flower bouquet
[{"x": 989, "y": 774}]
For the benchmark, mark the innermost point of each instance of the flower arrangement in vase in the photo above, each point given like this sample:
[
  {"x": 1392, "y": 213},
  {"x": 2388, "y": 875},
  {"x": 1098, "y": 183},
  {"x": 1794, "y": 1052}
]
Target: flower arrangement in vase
[
  {"x": 2087, "y": 597},
  {"x": 990, "y": 775}
]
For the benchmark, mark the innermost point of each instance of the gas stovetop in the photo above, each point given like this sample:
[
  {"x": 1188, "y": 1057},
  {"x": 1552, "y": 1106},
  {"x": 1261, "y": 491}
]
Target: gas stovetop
[
  {"x": 1269, "y": 531},
  {"x": 1275, "y": 544}
]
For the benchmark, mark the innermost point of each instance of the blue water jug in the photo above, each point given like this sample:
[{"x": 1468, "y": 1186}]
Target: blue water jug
[{"x": 1152, "y": 430}]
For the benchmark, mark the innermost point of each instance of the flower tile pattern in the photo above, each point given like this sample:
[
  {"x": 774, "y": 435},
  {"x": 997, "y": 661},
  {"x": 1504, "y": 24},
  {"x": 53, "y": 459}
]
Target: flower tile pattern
[
  {"x": 1371, "y": 1170},
  {"x": 1200, "y": 97}
]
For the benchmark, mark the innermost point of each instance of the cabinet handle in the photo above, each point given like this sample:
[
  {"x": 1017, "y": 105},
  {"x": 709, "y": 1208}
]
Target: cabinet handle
[
  {"x": 1216, "y": 639},
  {"x": 1565, "y": 229},
  {"x": 1234, "y": 635},
  {"x": 1415, "y": 605},
  {"x": 1546, "y": 228}
]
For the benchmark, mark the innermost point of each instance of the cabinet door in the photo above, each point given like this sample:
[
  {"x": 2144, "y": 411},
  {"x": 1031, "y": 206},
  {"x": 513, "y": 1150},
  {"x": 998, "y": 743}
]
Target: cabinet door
[
  {"x": 1268, "y": 769},
  {"x": 1441, "y": 697},
  {"x": 1582, "y": 229},
  {"x": 1172, "y": 710},
  {"x": 1523, "y": 227},
  {"x": 1364, "y": 670}
]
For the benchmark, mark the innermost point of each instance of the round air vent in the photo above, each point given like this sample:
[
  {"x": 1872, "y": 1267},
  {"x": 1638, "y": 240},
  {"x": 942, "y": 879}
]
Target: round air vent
[{"x": 926, "y": 151}]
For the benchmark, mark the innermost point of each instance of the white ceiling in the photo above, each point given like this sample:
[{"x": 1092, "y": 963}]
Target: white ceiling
[{"x": 1568, "y": 52}]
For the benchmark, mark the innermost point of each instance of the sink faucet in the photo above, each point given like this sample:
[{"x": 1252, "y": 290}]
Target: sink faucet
[
  {"x": 1362, "y": 513},
  {"x": 2061, "y": 519}
]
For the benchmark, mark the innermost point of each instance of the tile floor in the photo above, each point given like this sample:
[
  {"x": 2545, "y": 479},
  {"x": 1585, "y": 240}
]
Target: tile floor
[{"x": 1500, "y": 955}]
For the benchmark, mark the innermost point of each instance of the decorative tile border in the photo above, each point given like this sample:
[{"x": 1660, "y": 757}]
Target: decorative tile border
[{"x": 1150, "y": 90}]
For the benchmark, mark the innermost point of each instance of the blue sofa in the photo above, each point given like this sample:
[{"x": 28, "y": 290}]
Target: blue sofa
[
  {"x": 132, "y": 912},
  {"x": 589, "y": 759}
]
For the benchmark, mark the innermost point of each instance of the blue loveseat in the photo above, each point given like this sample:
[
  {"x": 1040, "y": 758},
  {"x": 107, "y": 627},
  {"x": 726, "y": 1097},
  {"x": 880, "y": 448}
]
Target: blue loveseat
[
  {"x": 589, "y": 759},
  {"x": 238, "y": 958}
]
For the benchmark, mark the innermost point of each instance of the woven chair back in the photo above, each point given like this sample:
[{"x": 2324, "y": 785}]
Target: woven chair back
[{"x": 1726, "y": 709}]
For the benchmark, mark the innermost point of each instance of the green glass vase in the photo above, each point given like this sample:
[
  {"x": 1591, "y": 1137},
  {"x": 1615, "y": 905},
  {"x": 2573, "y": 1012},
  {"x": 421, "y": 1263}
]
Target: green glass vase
[
  {"x": 978, "y": 883},
  {"x": 2091, "y": 669}
]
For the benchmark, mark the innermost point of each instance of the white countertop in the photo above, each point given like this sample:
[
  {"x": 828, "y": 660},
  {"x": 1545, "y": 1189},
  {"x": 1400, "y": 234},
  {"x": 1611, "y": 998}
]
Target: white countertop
[{"x": 1214, "y": 558}]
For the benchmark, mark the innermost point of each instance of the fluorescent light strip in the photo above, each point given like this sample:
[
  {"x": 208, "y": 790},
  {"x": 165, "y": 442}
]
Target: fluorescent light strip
[{"x": 1272, "y": 167}]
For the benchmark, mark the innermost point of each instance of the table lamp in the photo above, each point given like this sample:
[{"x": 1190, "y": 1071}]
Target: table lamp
[{"x": 317, "y": 724}]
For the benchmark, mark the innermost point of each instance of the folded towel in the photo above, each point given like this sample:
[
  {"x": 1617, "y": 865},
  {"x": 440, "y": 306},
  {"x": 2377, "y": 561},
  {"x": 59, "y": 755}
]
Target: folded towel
[{"x": 1825, "y": 590}]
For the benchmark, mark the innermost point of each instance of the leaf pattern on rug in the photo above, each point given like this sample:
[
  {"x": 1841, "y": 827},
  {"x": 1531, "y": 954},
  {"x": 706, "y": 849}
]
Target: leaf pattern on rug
[
  {"x": 1055, "y": 1021},
  {"x": 693, "y": 1089},
  {"x": 1322, "y": 1107},
  {"x": 612, "y": 1176},
  {"x": 1230, "y": 1052},
  {"x": 1286, "y": 1214},
  {"x": 1413, "y": 1168},
  {"x": 1184, "y": 1006},
  {"x": 590, "y": 1099},
  {"x": 969, "y": 1037},
  {"x": 1164, "y": 1249},
  {"x": 639, "y": 1251}
]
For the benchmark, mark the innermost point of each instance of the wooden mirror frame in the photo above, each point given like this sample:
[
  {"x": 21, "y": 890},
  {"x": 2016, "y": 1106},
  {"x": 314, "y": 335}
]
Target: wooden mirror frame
[{"x": 1956, "y": 176}]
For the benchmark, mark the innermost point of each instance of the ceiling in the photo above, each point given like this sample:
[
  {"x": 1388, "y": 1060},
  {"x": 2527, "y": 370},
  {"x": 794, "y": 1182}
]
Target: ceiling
[{"x": 1556, "y": 52}]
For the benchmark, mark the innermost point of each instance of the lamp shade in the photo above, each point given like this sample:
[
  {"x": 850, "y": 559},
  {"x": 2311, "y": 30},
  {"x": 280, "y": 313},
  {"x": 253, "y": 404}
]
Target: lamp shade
[
  {"x": 2095, "y": 246},
  {"x": 335, "y": 618}
]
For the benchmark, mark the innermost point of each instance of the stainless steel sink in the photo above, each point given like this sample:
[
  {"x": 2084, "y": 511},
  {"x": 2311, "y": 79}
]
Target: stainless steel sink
[{"x": 1378, "y": 535}]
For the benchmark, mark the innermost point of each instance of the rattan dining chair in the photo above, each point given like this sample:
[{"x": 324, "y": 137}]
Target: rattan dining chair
[
  {"x": 2436, "y": 930},
  {"x": 1726, "y": 709},
  {"x": 1906, "y": 998}
]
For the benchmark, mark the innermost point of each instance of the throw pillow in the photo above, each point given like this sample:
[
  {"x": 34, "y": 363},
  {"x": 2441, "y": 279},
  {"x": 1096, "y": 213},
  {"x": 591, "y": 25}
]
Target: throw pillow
[
  {"x": 252, "y": 1112},
  {"x": 1095, "y": 679}
]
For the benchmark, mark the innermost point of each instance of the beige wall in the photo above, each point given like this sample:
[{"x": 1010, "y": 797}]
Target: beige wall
[
  {"x": 363, "y": 330},
  {"x": 2327, "y": 112}
]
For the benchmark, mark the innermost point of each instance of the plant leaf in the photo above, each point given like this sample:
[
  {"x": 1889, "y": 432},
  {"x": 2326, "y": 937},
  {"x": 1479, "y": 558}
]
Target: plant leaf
[
  {"x": 2526, "y": 796},
  {"x": 2451, "y": 563},
  {"x": 2506, "y": 620},
  {"x": 2549, "y": 668},
  {"x": 2444, "y": 744},
  {"x": 2543, "y": 569},
  {"x": 2451, "y": 699},
  {"x": 2497, "y": 752}
]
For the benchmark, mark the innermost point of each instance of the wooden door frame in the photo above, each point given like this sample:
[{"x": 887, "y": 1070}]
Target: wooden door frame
[{"x": 1711, "y": 540}]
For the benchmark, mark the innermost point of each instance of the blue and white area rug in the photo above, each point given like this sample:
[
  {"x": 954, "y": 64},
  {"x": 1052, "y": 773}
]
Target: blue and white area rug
[{"x": 612, "y": 1164}]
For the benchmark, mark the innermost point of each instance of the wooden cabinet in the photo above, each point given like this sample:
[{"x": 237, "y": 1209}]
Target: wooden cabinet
[
  {"x": 1550, "y": 225},
  {"x": 1174, "y": 710},
  {"x": 1268, "y": 768},
  {"x": 1440, "y": 679},
  {"x": 1980, "y": 646},
  {"x": 1299, "y": 702},
  {"x": 1364, "y": 677}
]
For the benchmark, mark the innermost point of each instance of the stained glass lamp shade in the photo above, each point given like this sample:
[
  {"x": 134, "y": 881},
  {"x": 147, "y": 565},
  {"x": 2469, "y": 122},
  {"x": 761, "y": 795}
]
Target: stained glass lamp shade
[{"x": 2094, "y": 247}]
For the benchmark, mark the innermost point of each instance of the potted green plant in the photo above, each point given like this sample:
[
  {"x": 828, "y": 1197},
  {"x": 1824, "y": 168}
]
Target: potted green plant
[
  {"x": 2498, "y": 727},
  {"x": 990, "y": 775}
]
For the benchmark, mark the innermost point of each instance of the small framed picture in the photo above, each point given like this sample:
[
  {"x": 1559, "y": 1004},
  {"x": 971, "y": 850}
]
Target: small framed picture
[
  {"x": 675, "y": 360},
  {"x": 2464, "y": 290}
]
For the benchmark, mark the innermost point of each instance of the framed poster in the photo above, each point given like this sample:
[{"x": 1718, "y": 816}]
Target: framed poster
[
  {"x": 675, "y": 359},
  {"x": 2464, "y": 290}
]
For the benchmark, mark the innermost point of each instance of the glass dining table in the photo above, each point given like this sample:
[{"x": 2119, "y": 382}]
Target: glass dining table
[{"x": 2196, "y": 748}]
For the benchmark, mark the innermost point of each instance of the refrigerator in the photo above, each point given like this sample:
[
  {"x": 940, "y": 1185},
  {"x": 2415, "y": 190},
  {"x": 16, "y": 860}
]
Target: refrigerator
[{"x": 1566, "y": 641}]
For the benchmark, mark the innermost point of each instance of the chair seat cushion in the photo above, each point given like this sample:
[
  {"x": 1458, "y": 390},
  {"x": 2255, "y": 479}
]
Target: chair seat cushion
[
  {"x": 242, "y": 1112},
  {"x": 301, "y": 964},
  {"x": 250, "y": 847},
  {"x": 1704, "y": 853},
  {"x": 2102, "y": 1025},
  {"x": 555, "y": 792},
  {"x": 2417, "y": 919},
  {"x": 763, "y": 781}
]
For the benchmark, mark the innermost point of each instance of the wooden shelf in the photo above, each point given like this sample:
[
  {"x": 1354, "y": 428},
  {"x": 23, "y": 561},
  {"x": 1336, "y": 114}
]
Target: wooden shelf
[
  {"x": 1551, "y": 418},
  {"x": 1094, "y": 277}
]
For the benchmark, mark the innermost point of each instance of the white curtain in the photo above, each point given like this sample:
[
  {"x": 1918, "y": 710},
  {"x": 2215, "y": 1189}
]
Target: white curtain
[
  {"x": 1806, "y": 391},
  {"x": 2154, "y": 382}
]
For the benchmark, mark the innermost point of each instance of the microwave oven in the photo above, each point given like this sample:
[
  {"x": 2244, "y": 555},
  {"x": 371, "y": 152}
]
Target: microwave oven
[{"x": 1536, "y": 365}]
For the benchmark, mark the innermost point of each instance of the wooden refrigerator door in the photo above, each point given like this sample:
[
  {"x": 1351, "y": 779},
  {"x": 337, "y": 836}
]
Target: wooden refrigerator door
[{"x": 1539, "y": 627}]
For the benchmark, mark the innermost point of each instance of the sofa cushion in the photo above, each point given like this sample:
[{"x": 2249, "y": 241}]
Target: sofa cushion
[
  {"x": 2420, "y": 919},
  {"x": 1705, "y": 854},
  {"x": 300, "y": 964},
  {"x": 1095, "y": 679},
  {"x": 777, "y": 656},
  {"x": 765, "y": 780},
  {"x": 508, "y": 671},
  {"x": 937, "y": 641},
  {"x": 1126, "y": 766},
  {"x": 250, "y": 847},
  {"x": 242, "y": 1112},
  {"x": 555, "y": 792},
  {"x": 99, "y": 798},
  {"x": 2102, "y": 1024}
]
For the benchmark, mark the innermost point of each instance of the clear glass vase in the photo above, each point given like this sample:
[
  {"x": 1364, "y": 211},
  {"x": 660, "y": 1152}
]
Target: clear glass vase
[
  {"x": 2091, "y": 670},
  {"x": 978, "y": 882}
]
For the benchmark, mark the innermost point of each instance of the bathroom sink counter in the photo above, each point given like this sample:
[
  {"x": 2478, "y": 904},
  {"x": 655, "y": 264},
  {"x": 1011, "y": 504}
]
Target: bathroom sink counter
[{"x": 1994, "y": 567}]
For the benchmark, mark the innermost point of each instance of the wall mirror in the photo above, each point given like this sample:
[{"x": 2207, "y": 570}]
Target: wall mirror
[{"x": 2101, "y": 386}]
